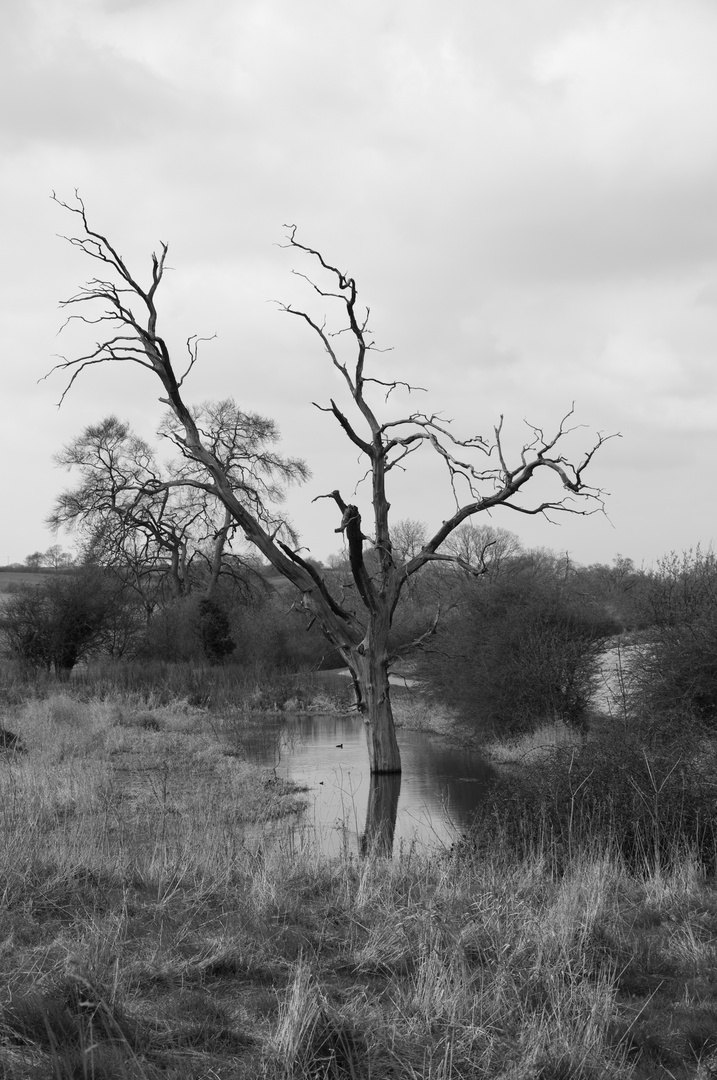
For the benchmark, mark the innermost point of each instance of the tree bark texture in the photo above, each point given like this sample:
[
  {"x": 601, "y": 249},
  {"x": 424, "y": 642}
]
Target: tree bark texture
[
  {"x": 381, "y": 814},
  {"x": 369, "y": 667}
]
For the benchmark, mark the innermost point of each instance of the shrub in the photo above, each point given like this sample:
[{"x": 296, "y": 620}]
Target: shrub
[
  {"x": 55, "y": 624},
  {"x": 259, "y": 630},
  {"x": 608, "y": 795},
  {"x": 621, "y": 588},
  {"x": 215, "y": 631},
  {"x": 675, "y": 678},
  {"x": 517, "y": 650}
]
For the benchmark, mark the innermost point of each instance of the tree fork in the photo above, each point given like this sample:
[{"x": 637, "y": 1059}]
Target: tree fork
[{"x": 477, "y": 469}]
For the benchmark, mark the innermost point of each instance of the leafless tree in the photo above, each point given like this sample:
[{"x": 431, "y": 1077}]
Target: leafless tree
[
  {"x": 122, "y": 512},
  {"x": 479, "y": 470},
  {"x": 483, "y": 546},
  {"x": 138, "y": 517},
  {"x": 408, "y": 537}
]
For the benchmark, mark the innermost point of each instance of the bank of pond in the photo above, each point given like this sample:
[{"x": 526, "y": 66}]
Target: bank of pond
[
  {"x": 187, "y": 893},
  {"x": 431, "y": 803}
]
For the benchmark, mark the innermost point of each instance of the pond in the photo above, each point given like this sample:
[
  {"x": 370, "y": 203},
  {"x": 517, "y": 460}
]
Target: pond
[{"x": 441, "y": 785}]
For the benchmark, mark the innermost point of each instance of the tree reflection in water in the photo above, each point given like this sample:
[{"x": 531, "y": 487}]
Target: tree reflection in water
[{"x": 381, "y": 813}]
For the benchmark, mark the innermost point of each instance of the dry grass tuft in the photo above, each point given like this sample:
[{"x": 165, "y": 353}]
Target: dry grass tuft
[{"x": 533, "y": 746}]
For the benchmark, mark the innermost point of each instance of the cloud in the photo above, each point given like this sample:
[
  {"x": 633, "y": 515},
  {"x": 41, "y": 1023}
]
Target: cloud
[
  {"x": 636, "y": 91},
  {"x": 525, "y": 194},
  {"x": 66, "y": 89}
]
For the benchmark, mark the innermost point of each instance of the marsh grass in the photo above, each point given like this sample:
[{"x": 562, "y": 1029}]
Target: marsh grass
[
  {"x": 648, "y": 804},
  {"x": 157, "y": 920},
  {"x": 252, "y": 687},
  {"x": 532, "y": 746}
]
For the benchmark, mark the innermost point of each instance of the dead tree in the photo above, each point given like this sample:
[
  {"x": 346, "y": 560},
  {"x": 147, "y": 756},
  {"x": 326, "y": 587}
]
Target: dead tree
[{"x": 478, "y": 469}]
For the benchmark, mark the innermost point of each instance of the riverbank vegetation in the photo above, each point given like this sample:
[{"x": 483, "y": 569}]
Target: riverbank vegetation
[
  {"x": 162, "y": 917},
  {"x": 159, "y": 920}
]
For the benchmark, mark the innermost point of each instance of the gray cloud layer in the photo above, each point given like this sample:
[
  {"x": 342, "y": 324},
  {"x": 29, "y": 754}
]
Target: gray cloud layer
[{"x": 527, "y": 199}]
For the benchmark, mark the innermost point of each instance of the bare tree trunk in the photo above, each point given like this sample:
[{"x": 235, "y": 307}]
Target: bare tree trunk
[
  {"x": 383, "y": 753},
  {"x": 177, "y": 570},
  {"x": 381, "y": 814},
  {"x": 220, "y": 541},
  {"x": 369, "y": 667}
]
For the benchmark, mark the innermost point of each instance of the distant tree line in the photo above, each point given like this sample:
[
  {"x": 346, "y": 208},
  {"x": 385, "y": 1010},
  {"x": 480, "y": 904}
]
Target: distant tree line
[
  {"x": 158, "y": 573},
  {"x": 55, "y": 558},
  {"x": 510, "y": 638},
  {"x": 518, "y": 640}
]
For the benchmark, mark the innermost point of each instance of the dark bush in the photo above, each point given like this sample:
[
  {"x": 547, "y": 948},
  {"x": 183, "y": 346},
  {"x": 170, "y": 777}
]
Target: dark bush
[
  {"x": 263, "y": 630},
  {"x": 171, "y": 634},
  {"x": 675, "y": 676},
  {"x": 519, "y": 648},
  {"x": 55, "y": 624},
  {"x": 215, "y": 631}
]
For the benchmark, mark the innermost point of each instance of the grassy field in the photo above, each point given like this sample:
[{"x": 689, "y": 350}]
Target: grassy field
[
  {"x": 13, "y": 579},
  {"x": 158, "y": 921}
]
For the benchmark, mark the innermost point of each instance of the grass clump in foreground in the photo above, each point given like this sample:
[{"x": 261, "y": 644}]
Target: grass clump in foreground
[{"x": 156, "y": 922}]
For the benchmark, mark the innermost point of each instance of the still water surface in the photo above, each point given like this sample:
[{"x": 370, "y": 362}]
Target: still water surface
[{"x": 441, "y": 784}]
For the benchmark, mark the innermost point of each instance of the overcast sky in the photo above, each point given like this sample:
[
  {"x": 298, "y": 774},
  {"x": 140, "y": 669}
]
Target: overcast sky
[{"x": 526, "y": 194}]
